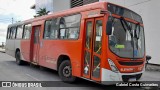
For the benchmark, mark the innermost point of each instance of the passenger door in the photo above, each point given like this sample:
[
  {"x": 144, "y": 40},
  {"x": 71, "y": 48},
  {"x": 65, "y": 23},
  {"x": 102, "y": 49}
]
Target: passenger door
[
  {"x": 35, "y": 44},
  {"x": 92, "y": 50}
]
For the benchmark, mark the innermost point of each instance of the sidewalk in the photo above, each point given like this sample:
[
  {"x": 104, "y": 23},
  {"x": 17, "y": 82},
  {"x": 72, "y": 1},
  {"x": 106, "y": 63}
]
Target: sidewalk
[
  {"x": 2, "y": 50},
  {"x": 153, "y": 67}
]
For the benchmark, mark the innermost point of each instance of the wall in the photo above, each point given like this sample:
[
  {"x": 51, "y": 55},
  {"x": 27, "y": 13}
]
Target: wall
[
  {"x": 60, "y": 5},
  {"x": 53, "y": 5}
]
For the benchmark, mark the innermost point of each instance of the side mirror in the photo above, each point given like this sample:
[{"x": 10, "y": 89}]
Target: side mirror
[
  {"x": 148, "y": 58},
  {"x": 109, "y": 28}
]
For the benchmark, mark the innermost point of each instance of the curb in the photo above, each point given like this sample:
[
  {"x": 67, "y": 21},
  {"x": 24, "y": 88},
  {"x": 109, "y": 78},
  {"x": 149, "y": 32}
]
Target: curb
[{"x": 153, "y": 67}]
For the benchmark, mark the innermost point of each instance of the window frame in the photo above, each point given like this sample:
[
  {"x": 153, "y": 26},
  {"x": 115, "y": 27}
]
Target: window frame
[
  {"x": 129, "y": 57},
  {"x": 24, "y": 31},
  {"x": 100, "y": 42},
  {"x": 8, "y": 33},
  {"x": 71, "y": 27},
  {"x": 58, "y": 31},
  {"x": 68, "y": 31},
  {"x": 45, "y": 29},
  {"x": 15, "y": 32}
]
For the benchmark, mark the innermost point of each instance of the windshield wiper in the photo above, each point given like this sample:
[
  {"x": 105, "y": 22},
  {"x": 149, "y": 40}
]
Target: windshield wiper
[
  {"x": 135, "y": 31},
  {"x": 126, "y": 24},
  {"x": 136, "y": 35},
  {"x": 130, "y": 31}
]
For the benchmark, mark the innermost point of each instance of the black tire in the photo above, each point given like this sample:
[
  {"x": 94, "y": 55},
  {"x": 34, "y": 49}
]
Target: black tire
[
  {"x": 18, "y": 58},
  {"x": 65, "y": 72}
]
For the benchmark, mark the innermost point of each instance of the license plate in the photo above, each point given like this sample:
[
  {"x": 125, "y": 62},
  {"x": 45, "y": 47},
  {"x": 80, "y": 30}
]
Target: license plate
[{"x": 132, "y": 79}]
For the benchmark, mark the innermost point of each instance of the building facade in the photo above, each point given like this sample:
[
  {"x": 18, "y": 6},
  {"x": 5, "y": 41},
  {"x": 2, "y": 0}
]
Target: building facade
[
  {"x": 59, "y": 5},
  {"x": 148, "y": 9}
]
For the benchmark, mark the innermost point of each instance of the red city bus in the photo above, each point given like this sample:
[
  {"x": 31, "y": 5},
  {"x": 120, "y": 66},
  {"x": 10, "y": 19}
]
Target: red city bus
[{"x": 99, "y": 42}]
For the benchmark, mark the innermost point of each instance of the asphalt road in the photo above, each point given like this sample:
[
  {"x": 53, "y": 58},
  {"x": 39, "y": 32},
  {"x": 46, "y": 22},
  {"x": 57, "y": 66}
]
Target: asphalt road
[{"x": 10, "y": 71}]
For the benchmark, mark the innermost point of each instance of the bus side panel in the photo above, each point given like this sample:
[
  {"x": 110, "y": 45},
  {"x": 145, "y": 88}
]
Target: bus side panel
[
  {"x": 51, "y": 49},
  {"x": 75, "y": 51},
  {"x": 48, "y": 53},
  {"x": 25, "y": 50},
  {"x": 10, "y": 50},
  {"x": 82, "y": 37}
]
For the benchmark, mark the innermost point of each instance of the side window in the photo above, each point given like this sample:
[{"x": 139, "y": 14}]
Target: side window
[
  {"x": 54, "y": 29},
  {"x": 63, "y": 29},
  {"x": 19, "y": 32},
  {"x": 73, "y": 20},
  {"x": 88, "y": 35},
  {"x": 27, "y": 31},
  {"x": 73, "y": 33},
  {"x": 47, "y": 30},
  {"x": 51, "y": 29},
  {"x": 13, "y": 32},
  {"x": 69, "y": 27},
  {"x": 63, "y": 33},
  {"x": 8, "y": 33},
  {"x": 98, "y": 38}
]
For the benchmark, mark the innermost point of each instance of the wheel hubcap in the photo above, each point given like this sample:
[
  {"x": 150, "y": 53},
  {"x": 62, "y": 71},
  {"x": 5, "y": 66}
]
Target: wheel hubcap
[{"x": 67, "y": 71}]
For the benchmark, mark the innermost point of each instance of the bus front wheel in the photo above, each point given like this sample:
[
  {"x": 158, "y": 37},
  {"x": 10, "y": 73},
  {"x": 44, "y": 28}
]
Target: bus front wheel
[
  {"x": 18, "y": 58},
  {"x": 65, "y": 72}
]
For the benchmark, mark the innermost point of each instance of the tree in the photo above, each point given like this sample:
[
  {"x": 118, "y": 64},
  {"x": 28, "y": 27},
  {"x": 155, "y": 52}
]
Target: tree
[{"x": 41, "y": 12}]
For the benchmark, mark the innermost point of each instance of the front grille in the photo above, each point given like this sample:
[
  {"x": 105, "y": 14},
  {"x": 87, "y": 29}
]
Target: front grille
[
  {"x": 130, "y": 63},
  {"x": 125, "y": 78}
]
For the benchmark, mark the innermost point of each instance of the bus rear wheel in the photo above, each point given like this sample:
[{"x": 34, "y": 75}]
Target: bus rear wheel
[
  {"x": 18, "y": 58},
  {"x": 65, "y": 72}
]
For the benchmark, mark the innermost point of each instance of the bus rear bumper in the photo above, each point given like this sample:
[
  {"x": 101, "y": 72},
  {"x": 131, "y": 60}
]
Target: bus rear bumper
[{"x": 109, "y": 77}]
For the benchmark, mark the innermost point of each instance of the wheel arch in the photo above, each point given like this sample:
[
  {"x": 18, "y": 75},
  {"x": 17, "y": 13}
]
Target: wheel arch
[
  {"x": 62, "y": 58},
  {"x": 17, "y": 49}
]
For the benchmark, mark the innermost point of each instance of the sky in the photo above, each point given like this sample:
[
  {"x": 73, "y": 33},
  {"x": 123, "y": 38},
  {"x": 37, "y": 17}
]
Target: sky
[{"x": 19, "y": 10}]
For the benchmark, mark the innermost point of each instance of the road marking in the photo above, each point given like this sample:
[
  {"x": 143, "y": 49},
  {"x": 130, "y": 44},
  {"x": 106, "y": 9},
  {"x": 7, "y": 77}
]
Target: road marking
[{"x": 32, "y": 77}]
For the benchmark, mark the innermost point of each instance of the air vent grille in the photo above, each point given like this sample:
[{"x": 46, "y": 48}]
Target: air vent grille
[{"x": 76, "y": 3}]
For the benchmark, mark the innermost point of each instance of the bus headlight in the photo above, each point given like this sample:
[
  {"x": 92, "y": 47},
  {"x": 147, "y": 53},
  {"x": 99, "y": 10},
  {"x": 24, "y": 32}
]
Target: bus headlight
[{"x": 113, "y": 66}]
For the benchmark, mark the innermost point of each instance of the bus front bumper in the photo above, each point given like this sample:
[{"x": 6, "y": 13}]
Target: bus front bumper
[{"x": 109, "y": 77}]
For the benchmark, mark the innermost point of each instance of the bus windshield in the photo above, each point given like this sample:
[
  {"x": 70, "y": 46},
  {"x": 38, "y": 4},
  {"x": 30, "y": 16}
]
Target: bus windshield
[{"x": 124, "y": 42}]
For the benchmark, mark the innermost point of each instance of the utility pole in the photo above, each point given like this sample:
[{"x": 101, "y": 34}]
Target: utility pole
[{"x": 12, "y": 20}]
